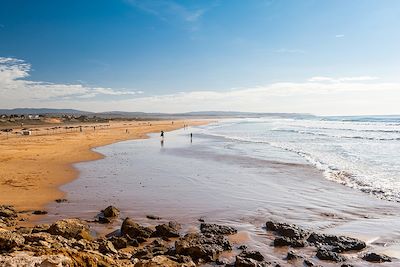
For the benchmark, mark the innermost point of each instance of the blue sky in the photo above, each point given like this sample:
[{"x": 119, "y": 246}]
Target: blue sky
[{"x": 173, "y": 56}]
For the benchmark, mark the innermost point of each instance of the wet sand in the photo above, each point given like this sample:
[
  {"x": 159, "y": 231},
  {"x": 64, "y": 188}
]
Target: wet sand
[
  {"x": 32, "y": 168},
  {"x": 215, "y": 180}
]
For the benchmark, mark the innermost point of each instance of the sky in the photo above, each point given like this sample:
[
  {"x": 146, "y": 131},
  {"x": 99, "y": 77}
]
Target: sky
[{"x": 333, "y": 57}]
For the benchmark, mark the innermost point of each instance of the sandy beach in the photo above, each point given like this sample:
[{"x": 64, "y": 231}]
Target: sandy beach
[{"x": 33, "y": 167}]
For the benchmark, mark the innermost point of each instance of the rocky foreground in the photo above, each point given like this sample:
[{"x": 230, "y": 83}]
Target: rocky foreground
[{"x": 69, "y": 242}]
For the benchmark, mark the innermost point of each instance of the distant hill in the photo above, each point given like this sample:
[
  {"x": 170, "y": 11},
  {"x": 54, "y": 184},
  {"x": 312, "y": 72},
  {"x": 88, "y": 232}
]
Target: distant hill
[
  {"x": 24, "y": 111},
  {"x": 125, "y": 114}
]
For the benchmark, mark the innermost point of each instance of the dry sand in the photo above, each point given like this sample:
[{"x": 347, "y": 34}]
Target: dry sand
[{"x": 32, "y": 168}]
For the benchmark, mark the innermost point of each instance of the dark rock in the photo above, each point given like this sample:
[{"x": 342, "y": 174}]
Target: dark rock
[
  {"x": 215, "y": 229},
  {"x": 70, "y": 228},
  {"x": 308, "y": 263},
  {"x": 39, "y": 212},
  {"x": 136, "y": 231},
  {"x": 199, "y": 246},
  {"x": 291, "y": 256},
  {"x": 7, "y": 211},
  {"x": 40, "y": 228},
  {"x": 346, "y": 265},
  {"x": 167, "y": 230},
  {"x": 103, "y": 220},
  {"x": 119, "y": 242},
  {"x": 325, "y": 254},
  {"x": 287, "y": 230},
  {"x": 242, "y": 247},
  {"x": 153, "y": 217},
  {"x": 286, "y": 241},
  {"x": 111, "y": 212},
  {"x": 107, "y": 247},
  {"x": 374, "y": 257},
  {"x": 338, "y": 243},
  {"x": 61, "y": 200},
  {"x": 248, "y": 262},
  {"x": 255, "y": 255},
  {"x": 9, "y": 240}
]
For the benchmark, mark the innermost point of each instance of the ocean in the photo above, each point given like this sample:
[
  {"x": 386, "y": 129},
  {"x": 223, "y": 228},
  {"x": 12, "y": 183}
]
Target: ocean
[{"x": 359, "y": 152}]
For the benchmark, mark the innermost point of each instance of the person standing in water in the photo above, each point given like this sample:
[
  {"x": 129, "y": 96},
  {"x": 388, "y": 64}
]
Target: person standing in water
[
  {"x": 191, "y": 137},
  {"x": 162, "y": 138}
]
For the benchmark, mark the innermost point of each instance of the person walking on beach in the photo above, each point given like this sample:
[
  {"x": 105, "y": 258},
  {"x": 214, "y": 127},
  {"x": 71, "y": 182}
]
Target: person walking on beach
[
  {"x": 162, "y": 135},
  {"x": 191, "y": 137}
]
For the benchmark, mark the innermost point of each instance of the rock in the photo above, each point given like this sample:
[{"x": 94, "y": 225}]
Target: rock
[
  {"x": 39, "y": 212},
  {"x": 70, "y": 228},
  {"x": 134, "y": 230},
  {"x": 107, "y": 247},
  {"x": 248, "y": 262},
  {"x": 162, "y": 261},
  {"x": 287, "y": 230},
  {"x": 255, "y": 255},
  {"x": 111, "y": 212},
  {"x": 7, "y": 211},
  {"x": 291, "y": 256},
  {"x": 308, "y": 263},
  {"x": 153, "y": 217},
  {"x": 215, "y": 229},
  {"x": 61, "y": 200},
  {"x": 119, "y": 242},
  {"x": 104, "y": 220},
  {"x": 40, "y": 228},
  {"x": 325, "y": 254},
  {"x": 338, "y": 243},
  {"x": 9, "y": 240},
  {"x": 374, "y": 257},
  {"x": 199, "y": 246},
  {"x": 286, "y": 241},
  {"x": 167, "y": 230},
  {"x": 18, "y": 259}
]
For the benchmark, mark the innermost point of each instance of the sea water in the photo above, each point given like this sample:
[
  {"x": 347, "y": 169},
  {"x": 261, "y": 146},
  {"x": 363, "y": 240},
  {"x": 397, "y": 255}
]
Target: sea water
[{"x": 359, "y": 152}]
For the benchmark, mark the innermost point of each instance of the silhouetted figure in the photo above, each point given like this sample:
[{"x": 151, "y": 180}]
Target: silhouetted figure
[{"x": 191, "y": 137}]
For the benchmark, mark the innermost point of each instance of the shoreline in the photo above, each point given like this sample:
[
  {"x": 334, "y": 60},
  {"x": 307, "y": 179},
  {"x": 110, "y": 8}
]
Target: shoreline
[{"x": 34, "y": 167}]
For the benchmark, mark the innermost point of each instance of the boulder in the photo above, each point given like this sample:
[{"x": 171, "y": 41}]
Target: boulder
[
  {"x": 167, "y": 230},
  {"x": 215, "y": 229},
  {"x": 7, "y": 211},
  {"x": 374, "y": 257},
  {"x": 110, "y": 212},
  {"x": 199, "y": 246},
  {"x": 325, "y": 254},
  {"x": 134, "y": 230},
  {"x": 287, "y": 241},
  {"x": 253, "y": 254},
  {"x": 9, "y": 240},
  {"x": 162, "y": 261},
  {"x": 107, "y": 247},
  {"x": 337, "y": 243},
  {"x": 287, "y": 230},
  {"x": 70, "y": 228}
]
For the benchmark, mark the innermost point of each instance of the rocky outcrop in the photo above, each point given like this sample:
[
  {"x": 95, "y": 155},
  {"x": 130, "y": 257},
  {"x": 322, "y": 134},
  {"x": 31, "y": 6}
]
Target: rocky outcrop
[
  {"x": 200, "y": 246},
  {"x": 374, "y": 257},
  {"x": 215, "y": 229},
  {"x": 70, "y": 228},
  {"x": 110, "y": 212},
  {"x": 134, "y": 230},
  {"x": 336, "y": 243},
  {"x": 167, "y": 230},
  {"x": 10, "y": 240}
]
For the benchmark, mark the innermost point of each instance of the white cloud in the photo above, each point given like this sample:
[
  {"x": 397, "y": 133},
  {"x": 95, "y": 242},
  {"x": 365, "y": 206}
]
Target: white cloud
[
  {"x": 15, "y": 86},
  {"x": 342, "y": 79},
  {"x": 339, "y": 35},
  {"x": 319, "y": 95}
]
